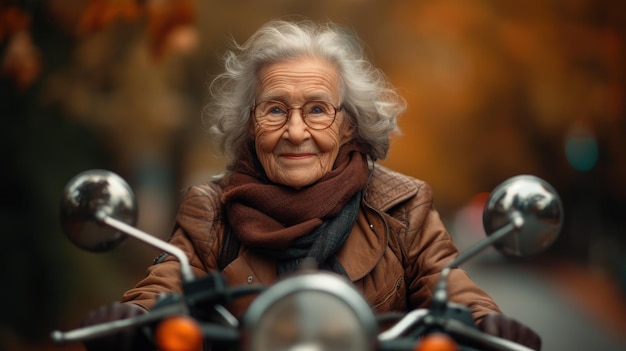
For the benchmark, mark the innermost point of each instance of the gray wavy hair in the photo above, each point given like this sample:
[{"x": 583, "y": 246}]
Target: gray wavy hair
[{"x": 371, "y": 104}]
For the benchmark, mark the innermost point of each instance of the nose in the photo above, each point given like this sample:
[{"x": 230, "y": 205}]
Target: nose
[{"x": 297, "y": 131}]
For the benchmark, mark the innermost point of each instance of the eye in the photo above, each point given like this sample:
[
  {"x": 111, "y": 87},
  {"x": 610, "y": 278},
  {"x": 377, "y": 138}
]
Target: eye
[
  {"x": 276, "y": 109},
  {"x": 272, "y": 108},
  {"x": 317, "y": 108}
]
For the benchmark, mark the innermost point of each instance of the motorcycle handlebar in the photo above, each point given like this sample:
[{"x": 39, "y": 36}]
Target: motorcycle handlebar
[{"x": 109, "y": 328}]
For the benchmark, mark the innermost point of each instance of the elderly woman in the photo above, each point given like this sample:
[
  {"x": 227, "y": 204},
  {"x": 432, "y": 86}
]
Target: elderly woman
[{"x": 303, "y": 116}]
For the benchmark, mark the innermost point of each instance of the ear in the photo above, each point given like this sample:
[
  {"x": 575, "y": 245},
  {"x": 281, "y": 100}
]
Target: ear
[{"x": 348, "y": 131}]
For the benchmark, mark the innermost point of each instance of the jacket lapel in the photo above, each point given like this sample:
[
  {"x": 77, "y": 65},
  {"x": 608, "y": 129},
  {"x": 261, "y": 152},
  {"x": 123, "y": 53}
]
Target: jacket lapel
[{"x": 368, "y": 240}]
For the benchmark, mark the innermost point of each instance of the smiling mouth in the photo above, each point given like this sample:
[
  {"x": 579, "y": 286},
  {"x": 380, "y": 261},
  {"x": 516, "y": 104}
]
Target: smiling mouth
[{"x": 297, "y": 156}]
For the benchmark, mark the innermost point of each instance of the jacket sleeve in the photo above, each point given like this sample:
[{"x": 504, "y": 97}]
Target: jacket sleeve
[
  {"x": 428, "y": 247},
  {"x": 195, "y": 233}
]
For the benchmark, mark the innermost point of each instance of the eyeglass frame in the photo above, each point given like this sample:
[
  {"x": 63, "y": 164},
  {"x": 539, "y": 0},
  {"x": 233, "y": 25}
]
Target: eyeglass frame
[{"x": 337, "y": 109}]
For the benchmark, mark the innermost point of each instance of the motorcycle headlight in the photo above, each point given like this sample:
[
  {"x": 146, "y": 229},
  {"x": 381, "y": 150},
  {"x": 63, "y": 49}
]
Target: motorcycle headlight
[{"x": 310, "y": 312}]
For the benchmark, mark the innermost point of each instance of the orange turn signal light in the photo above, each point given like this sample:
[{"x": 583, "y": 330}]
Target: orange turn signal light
[
  {"x": 179, "y": 333},
  {"x": 437, "y": 342}
]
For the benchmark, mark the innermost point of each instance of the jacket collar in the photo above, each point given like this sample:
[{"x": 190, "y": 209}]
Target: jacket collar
[{"x": 387, "y": 188}]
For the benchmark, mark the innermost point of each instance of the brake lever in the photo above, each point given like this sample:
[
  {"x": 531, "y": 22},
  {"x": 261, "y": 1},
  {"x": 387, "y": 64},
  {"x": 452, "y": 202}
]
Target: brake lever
[{"x": 405, "y": 324}]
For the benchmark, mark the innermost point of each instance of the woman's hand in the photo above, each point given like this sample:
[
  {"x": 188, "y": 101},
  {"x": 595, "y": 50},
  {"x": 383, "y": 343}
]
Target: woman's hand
[
  {"x": 502, "y": 326},
  {"x": 130, "y": 339}
]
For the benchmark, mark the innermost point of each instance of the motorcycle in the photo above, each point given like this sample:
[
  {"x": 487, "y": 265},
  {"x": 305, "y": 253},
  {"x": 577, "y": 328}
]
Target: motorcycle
[{"x": 309, "y": 309}]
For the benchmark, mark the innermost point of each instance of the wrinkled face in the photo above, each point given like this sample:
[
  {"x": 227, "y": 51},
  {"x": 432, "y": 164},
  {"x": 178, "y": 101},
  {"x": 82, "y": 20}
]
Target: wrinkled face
[{"x": 297, "y": 155}]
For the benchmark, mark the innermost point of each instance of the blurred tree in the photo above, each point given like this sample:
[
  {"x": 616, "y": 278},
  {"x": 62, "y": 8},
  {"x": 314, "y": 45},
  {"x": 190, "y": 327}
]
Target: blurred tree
[{"x": 497, "y": 89}]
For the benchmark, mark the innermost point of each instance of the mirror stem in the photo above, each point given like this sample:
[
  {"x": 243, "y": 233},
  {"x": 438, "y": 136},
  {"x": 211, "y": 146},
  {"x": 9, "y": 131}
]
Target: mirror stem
[
  {"x": 186, "y": 272},
  {"x": 440, "y": 297},
  {"x": 516, "y": 223}
]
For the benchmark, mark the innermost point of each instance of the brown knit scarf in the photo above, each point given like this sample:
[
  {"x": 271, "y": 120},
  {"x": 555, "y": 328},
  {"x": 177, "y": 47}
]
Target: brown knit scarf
[{"x": 267, "y": 215}]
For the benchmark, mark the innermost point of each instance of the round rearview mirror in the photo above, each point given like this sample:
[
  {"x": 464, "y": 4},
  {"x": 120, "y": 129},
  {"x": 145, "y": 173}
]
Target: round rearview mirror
[
  {"x": 534, "y": 201},
  {"x": 87, "y": 199}
]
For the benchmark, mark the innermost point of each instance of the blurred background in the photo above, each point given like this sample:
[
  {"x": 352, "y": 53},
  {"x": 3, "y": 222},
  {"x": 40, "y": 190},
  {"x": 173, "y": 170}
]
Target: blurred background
[{"x": 495, "y": 89}]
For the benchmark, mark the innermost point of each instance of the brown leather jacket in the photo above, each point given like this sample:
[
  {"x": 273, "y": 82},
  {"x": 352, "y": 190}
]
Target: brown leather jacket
[{"x": 393, "y": 255}]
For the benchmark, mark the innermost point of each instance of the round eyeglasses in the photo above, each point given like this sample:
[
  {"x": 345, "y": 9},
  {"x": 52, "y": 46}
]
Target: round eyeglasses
[{"x": 272, "y": 115}]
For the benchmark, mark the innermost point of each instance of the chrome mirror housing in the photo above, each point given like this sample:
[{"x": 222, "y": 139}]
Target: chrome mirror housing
[
  {"x": 89, "y": 197},
  {"x": 531, "y": 200}
]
